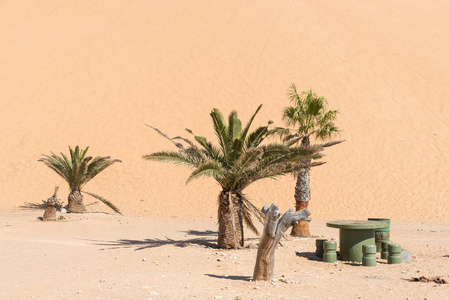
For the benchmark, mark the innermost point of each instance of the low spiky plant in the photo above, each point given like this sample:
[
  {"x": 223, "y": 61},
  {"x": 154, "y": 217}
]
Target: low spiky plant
[
  {"x": 78, "y": 170},
  {"x": 238, "y": 161}
]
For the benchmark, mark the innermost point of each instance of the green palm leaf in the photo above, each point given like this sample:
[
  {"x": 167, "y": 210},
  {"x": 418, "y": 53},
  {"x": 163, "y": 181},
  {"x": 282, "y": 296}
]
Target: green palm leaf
[
  {"x": 240, "y": 158},
  {"x": 173, "y": 157},
  {"x": 77, "y": 169},
  {"x": 108, "y": 203},
  {"x": 210, "y": 169}
]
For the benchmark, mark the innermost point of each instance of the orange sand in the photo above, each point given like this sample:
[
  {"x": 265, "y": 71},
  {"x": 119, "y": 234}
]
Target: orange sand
[{"x": 93, "y": 73}]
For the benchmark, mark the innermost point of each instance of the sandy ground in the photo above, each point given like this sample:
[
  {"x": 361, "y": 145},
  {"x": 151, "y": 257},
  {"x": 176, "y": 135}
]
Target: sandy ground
[
  {"x": 93, "y": 73},
  {"x": 101, "y": 256}
]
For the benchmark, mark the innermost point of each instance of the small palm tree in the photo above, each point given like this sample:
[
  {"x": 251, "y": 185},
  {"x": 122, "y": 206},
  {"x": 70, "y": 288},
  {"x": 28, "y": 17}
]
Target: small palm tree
[
  {"x": 78, "y": 170},
  {"x": 307, "y": 116},
  {"x": 238, "y": 161}
]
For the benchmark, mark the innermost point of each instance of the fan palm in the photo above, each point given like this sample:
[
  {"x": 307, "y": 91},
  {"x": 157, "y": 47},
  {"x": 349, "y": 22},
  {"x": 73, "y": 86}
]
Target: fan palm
[
  {"x": 238, "y": 161},
  {"x": 307, "y": 116},
  {"x": 78, "y": 170}
]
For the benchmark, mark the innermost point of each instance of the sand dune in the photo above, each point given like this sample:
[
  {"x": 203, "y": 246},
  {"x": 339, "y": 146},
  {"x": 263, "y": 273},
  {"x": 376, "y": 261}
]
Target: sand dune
[{"x": 94, "y": 73}]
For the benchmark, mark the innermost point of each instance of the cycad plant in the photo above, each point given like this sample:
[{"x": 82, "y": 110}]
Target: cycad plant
[
  {"x": 78, "y": 169},
  {"x": 238, "y": 161},
  {"x": 307, "y": 116}
]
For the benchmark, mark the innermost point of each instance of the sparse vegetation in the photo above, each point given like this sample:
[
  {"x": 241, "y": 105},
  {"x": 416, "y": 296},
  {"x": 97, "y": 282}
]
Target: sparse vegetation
[
  {"x": 77, "y": 170},
  {"x": 239, "y": 160},
  {"x": 306, "y": 117}
]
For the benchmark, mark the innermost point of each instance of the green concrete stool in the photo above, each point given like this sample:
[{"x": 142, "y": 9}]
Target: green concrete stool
[
  {"x": 369, "y": 255},
  {"x": 394, "y": 254},
  {"x": 330, "y": 251},
  {"x": 381, "y": 234},
  {"x": 319, "y": 247},
  {"x": 384, "y": 254}
]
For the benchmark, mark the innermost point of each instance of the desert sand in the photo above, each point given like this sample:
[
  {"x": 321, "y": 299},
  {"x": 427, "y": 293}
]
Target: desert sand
[{"x": 93, "y": 73}]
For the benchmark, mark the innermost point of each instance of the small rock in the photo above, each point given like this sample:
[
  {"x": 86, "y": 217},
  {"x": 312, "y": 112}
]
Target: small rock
[
  {"x": 252, "y": 246},
  {"x": 144, "y": 259},
  {"x": 63, "y": 210},
  {"x": 406, "y": 256},
  {"x": 336, "y": 263},
  {"x": 332, "y": 272},
  {"x": 154, "y": 293}
]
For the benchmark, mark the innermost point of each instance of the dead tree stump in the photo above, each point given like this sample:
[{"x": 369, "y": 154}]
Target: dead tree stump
[
  {"x": 273, "y": 230},
  {"x": 52, "y": 204}
]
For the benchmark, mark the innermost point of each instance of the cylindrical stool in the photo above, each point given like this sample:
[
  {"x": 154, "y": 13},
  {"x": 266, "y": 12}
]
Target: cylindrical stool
[
  {"x": 319, "y": 247},
  {"x": 330, "y": 251},
  {"x": 384, "y": 254},
  {"x": 394, "y": 254},
  {"x": 381, "y": 234},
  {"x": 369, "y": 256}
]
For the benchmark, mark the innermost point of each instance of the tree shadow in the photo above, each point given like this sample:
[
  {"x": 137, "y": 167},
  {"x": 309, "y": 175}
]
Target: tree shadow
[
  {"x": 34, "y": 206},
  {"x": 309, "y": 255},
  {"x": 153, "y": 243},
  {"x": 201, "y": 233},
  {"x": 231, "y": 277}
]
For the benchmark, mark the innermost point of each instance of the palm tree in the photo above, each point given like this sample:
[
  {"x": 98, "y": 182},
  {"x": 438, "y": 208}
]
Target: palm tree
[
  {"x": 77, "y": 171},
  {"x": 238, "y": 161},
  {"x": 307, "y": 116}
]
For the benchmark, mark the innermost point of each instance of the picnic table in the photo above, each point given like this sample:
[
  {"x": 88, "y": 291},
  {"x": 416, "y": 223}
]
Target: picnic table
[{"x": 353, "y": 235}]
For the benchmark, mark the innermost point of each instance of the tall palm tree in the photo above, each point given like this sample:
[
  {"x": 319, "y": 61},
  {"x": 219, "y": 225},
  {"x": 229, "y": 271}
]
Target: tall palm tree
[
  {"x": 78, "y": 170},
  {"x": 307, "y": 116},
  {"x": 238, "y": 161}
]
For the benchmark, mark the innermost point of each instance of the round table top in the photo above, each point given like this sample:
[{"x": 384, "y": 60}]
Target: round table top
[{"x": 357, "y": 224}]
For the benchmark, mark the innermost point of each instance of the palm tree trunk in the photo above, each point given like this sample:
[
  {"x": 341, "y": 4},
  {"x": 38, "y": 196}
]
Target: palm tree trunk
[
  {"x": 76, "y": 202},
  {"x": 302, "y": 196},
  {"x": 230, "y": 217}
]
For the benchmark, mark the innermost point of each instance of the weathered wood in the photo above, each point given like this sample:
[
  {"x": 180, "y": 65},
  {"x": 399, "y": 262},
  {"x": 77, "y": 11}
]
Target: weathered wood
[{"x": 274, "y": 228}]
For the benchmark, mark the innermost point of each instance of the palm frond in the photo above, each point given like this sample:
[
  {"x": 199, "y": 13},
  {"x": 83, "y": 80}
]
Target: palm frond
[
  {"x": 78, "y": 169},
  {"x": 248, "y": 125},
  {"x": 309, "y": 114},
  {"x": 332, "y": 143},
  {"x": 234, "y": 127},
  {"x": 108, "y": 203},
  {"x": 246, "y": 213},
  {"x": 96, "y": 166},
  {"x": 209, "y": 169},
  {"x": 256, "y": 137},
  {"x": 173, "y": 157},
  {"x": 210, "y": 150},
  {"x": 166, "y": 136},
  {"x": 220, "y": 129},
  {"x": 193, "y": 150}
]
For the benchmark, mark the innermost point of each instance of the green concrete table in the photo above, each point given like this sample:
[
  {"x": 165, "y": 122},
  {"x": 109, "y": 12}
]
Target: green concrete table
[{"x": 353, "y": 235}]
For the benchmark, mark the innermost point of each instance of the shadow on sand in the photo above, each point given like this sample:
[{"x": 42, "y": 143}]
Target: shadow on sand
[
  {"x": 208, "y": 240},
  {"x": 309, "y": 255},
  {"x": 231, "y": 277},
  {"x": 33, "y": 206}
]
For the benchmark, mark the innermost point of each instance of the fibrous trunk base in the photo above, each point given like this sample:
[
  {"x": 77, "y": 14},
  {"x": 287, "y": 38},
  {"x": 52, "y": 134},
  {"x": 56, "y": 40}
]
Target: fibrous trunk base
[
  {"x": 302, "y": 227},
  {"x": 50, "y": 213},
  {"x": 76, "y": 202},
  {"x": 227, "y": 237}
]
